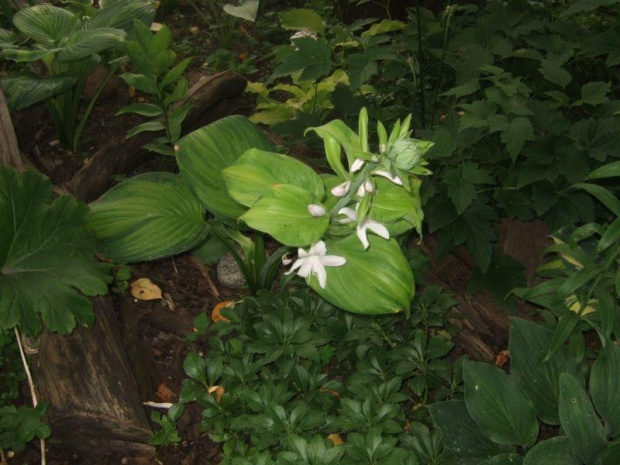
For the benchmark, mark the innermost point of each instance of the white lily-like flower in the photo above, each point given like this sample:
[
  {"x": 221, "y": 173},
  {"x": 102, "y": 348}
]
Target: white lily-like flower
[
  {"x": 357, "y": 165},
  {"x": 362, "y": 230},
  {"x": 341, "y": 189},
  {"x": 317, "y": 210},
  {"x": 314, "y": 262},
  {"x": 366, "y": 186},
  {"x": 286, "y": 260},
  {"x": 392, "y": 177}
]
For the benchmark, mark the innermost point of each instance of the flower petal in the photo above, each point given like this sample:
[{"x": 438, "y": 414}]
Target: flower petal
[
  {"x": 333, "y": 260},
  {"x": 378, "y": 228},
  {"x": 357, "y": 165},
  {"x": 321, "y": 274},
  {"x": 349, "y": 213},
  {"x": 318, "y": 249},
  {"x": 392, "y": 177},
  {"x": 361, "y": 191},
  {"x": 341, "y": 189},
  {"x": 361, "y": 235}
]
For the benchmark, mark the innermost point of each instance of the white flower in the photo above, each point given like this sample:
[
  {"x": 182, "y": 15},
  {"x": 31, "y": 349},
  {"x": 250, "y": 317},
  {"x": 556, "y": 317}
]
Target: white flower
[
  {"x": 304, "y": 33},
  {"x": 317, "y": 210},
  {"x": 314, "y": 262},
  {"x": 392, "y": 177},
  {"x": 365, "y": 187},
  {"x": 286, "y": 260},
  {"x": 357, "y": 165},
  {"x": 362, "y": 230},
  {"x": 342, "y": 189},
  {"x": 378, "y": 228}
]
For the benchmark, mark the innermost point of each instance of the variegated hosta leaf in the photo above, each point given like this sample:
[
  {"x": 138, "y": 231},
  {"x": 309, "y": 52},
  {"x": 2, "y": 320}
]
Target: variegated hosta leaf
[
  {"x": 256, "y": 173},
  {"x": 203, "y": 155},
  {"x": 284, "y": 214},
  {"x": 46, "y": 256},
  {"x": 45, "y": 24},
  {"x": 147, "y": 217},
  {"x": 120, "y": 14},
  {"x": 372, "y": 282}
]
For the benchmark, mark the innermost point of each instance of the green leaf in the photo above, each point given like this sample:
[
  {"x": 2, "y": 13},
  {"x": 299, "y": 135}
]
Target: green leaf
[
  {"x": 462, "y": 182},
  {"x": 46, "y": 256},
  {"x": 141, "y": 82},
  {"x": 45, "y": 24},
  {"x": 247, "y": 9},
  {"x": 206, "y": 152},
  {"x": 24, "y": 91},
  {"x": 195, "y": 367},
  {"x": 463, "y": 90},
  {"x": 144, "y": 109},
  {"x": 605, "y": 386},
  {"x": 385, "y": 26},
  {"x": 579, "y": 420},
  {"x": 150, "y": 126},
  {"x": 372, "y": 282},
  {"x": 499, "y": 405},
  {"x": 504, "y": 459},
  {"x": 361, "y": 69},
  {"x": 565, "y": 327},
  {"x": 516, "y": 134},
  {"x": 298, "y": 19},
  {"x": 256, "y": 173},
  {"x": 285, "y": 216},
  {"x": 553, "y": 72},
  {"x": 160, "y": 43},
  {"x": 312, "y": 57},
  {"x": 461, "y": 435},
  {"x": 504, "y": 274},
  {"x": 391, "y": 202},
  {"x": 603, "y": 195},
  {"x": 475, "y": 229},
  {"x": 120, "y": 14},
  {"x": 595, "y": 93},
  {"x": 26, "y": 56},
  {"x": 175, "y": 73},
  {"x": 82, "y": 44},
  {"x": 528, "y": 345},
  {"x": 147, "y": 217},
  {"x": 609, "y": 170},
  {"x": 554, "y": 451}
]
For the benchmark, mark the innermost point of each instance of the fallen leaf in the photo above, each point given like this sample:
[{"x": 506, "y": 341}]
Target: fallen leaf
[
  {"x": 144, "y": 289},
  {"x": 407, "y": 426},
  {"x": 164, "y": 393},
  {"x": 219, "y": 392},
  {"x": 502, "y": 358},
  {"x": 329, "y": 391},
  {"x": 335, "y": 439},
  {"x": 216, "y": 315}
]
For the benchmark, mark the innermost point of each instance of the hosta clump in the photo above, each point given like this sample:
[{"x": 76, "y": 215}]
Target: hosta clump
[
  {"x": 46, "y": 257},
  {"x": 343, "y": 224},
  {"x": 289, "y": 379}
]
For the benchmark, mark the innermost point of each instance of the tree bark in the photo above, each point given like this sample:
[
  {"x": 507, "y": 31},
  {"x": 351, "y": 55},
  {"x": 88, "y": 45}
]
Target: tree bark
[
  {"x": 93, "y": 398},
  {"x": 9, "y": 149},
  {"x": 214, "y": 97}
]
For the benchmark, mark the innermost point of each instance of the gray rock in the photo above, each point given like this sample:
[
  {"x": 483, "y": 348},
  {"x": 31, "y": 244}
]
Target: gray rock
[{"x": 229, "y": 274}]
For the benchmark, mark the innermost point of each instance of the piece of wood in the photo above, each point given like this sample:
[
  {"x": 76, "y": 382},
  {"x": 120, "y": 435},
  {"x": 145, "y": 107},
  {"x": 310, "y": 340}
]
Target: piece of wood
[
  {"x": 213, "y": 97},
  {"x": 93, "y": 398},
  {"x": 9, "y": 149}
]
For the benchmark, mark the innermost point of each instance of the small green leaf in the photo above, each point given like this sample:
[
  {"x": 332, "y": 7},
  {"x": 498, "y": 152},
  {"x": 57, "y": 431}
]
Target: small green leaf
[
  {"x": 605, "y": 386},
  {"x": 150, "y": 126},
  {"x": 595, "y": 93},
  {"x": 499, "y": 405},
  {"x": 609, "y": 170},
  {"x": 603, "y": 195},
  {"x": 554, "y": 451},
  {"x": 579, "y": 420},
  {"x": 298, "y": 19},
  {"x": 195, "y": 367},
  {"x": 504, "y": 459},
  {"x": 144, "y": 109},
  {"x": 516, "y": 134}
]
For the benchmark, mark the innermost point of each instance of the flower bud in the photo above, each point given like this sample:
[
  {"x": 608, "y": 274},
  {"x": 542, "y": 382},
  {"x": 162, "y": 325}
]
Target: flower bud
[
  {"x": 405, "y": 154},
  {"x": 317, "y": 210},
  {"x": 341, "y": 189}
]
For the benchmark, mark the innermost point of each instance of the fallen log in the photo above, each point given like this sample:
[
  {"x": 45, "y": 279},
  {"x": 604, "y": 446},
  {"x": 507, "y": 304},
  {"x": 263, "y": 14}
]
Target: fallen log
[
  {"x": 94, "y": 404},
  {"x": 213, "y": 97},
  {"x": 9, "y": 149}
]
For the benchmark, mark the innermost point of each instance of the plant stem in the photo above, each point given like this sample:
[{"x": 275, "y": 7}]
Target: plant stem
[
  {"x": 422, "y": 65},
  {"x": 33, "y": 392}
]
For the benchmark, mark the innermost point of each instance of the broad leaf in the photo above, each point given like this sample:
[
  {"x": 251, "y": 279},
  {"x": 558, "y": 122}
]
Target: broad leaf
[
  {"x": 23, "y": 91},
  {"x": 149, "y": 216},
  {"x": 298, "y": 19},
  {"x": 554, "y": 451},
  {"x": 46, "y": 256},
  {"x": 82, "y": 44},
  {"x": 285, "y": 216},
  {"x": 605, "y": 386},
  {"x": 499, "y": 405},
  {"x": 203, "y": 155},
  {"x": 504, "y": 459},
  {"x": 247, "y": 9},
  {"x": 579, "y": 420},
  {"x": 45, "y": 24},
  {"x": 312, "y": 57},
  {"x": 120, "y": 14},
  {"x": 372, "y": 282},
  {"x": 257, "y": 172},
  {"x": 528, "y": 345},
  {"x": 391, "y": 202},
  {"x": 461, "y": 435}
]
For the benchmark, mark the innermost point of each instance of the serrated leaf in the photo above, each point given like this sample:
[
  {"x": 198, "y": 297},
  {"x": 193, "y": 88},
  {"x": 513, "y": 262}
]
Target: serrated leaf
[
  {"x": 45, "y": 256},
  {"x": 499, "y": 405},
  {"x": 312, "y": 57},
  {"x": 149, "y": 216},
  {"x": 516, "y": 134},
  {"x": 595, "y": 93},
  {"x": 361, "y": 69},
  {"x": 462, "y": 182},
  {"x": 553, "y": 72}
]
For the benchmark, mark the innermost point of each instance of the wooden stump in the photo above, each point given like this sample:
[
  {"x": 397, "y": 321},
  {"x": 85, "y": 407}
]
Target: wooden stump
[
  {"x": 94, "y": 405},
  {"x": 9, "y": 149}
]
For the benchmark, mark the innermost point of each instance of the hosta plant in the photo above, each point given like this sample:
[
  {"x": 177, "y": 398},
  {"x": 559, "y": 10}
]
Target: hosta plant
[
  {"x": 342, "y": 224},
  {"x": 69, "y": 43},
  {"x": 47, "y": 264}
]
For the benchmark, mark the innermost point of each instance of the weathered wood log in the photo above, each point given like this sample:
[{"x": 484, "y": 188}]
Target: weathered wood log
[
  {"x": 94, "y": 405},
  {"x": 483, "y": 332},
  {"x": 9, "y": 149},
  {"x": 213, "y": 97}
]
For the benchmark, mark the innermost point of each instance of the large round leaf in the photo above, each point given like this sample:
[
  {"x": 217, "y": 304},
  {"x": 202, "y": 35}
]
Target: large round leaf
[
  {"x": 391, "y": 203},
  {"x": 120, "y": 14},
  {"x": 45, "y": 24},
  {"x": 149, "y": 216},
  {"x": 82, "y": 44},
  {"x": 256, "y": 173},
  {"x": 372, "y": 282},
  {"x": 284, "y": 215},
  {"x": 46, "y": 255},
  {"x": 204, "y": 153}
]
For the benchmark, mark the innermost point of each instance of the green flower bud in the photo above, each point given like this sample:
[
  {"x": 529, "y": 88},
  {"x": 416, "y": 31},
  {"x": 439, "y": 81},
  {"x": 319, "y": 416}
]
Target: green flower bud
[{"x": 405, "y": 154}]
